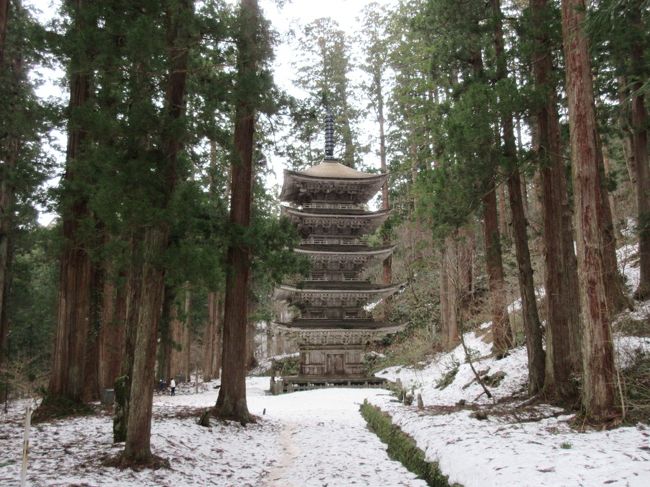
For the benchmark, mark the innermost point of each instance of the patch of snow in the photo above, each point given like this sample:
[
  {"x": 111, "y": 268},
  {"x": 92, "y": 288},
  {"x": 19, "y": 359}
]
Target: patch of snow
[
  {"x": 264, "y": 365},
  {"x": 628, "y": 263}
]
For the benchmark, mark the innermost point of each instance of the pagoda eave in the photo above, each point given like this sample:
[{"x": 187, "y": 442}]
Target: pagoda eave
[
  {"x": 368, "y": 215},
  {"x": 297, "y": 185},
  {"x": 341, "y": 287},
  {"x": 329, "y": 336},
  {"x": 343, "y": 251}
]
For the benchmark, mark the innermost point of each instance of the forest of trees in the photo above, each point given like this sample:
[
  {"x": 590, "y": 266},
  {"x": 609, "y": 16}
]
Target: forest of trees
[{"x": 515, "y": 133}]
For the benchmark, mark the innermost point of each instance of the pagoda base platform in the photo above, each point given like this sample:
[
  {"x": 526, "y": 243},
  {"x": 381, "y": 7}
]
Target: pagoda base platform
[{"x": 295, "y": 383}]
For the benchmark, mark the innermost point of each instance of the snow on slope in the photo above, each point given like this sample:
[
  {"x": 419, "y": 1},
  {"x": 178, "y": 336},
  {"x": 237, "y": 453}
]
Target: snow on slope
[
  {"x": 534, "y": 447},
  {"x": 512, "y": 449}
]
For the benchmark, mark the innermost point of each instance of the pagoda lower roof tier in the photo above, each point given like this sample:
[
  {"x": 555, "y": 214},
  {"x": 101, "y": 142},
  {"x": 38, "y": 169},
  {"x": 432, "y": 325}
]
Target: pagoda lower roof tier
[
  {"x": 310, "y": 324},
  {"x": 342, "y": 257},
  {"x": 314, "y": 223},
  {"x": 335, "y": 293},
  {"x": 330, "y": 181},
  {"x": 334, "y": 336},
  {"x": 341, "y": 286},
  {"x": 324, "y": 251}
]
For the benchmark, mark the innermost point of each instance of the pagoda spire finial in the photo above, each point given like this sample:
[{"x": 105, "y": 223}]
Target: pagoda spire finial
[{"x": 329, "y": 135}]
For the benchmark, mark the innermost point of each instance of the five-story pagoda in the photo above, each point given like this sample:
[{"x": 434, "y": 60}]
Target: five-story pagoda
[{"x": 327, "y": 203}]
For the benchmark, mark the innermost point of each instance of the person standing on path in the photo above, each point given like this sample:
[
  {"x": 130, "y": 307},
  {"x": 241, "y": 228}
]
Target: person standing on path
[{"x": 172, "y": 386}]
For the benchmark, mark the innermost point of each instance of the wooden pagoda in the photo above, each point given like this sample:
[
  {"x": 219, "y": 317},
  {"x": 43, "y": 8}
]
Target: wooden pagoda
[{"x": 331, "y": 326}]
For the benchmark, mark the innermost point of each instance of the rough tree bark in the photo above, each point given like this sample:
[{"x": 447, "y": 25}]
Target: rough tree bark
[
  {"x": 165, "y": 334},
  {"x": 504, "y": 221},
  {"x": 91, "y": 391},
  {"x": 250, "y": 333},
  {"x": 532, "y": 325},
  {"x": 502, "y": 334},
  {"x": 639, "y": 128},
  {"x": 598, "y": 393},
  {"x": 123, "y": 382},
  {"x": 211, "y": 339},
  {"x": 466, "y": 251},
  {"x": 176, "y": 341},
  {"x": 187, "y": 335},
  {"x": 4, "y": 22},
  {"x": 231, "y": 403},
  {"x": 617, "y": 298},
  {"x": 449, "y": 292},
  {"x": 137, "y": 448},
  {"x": 112, "y": 332}
]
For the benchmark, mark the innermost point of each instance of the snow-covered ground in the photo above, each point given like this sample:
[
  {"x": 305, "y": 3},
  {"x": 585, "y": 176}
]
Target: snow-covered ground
[
  {"x": 517, "y": 445},
  {"x": 312, "y": 438},
  {"x": 528, "y": 446},
  {"x": 318, "y": 438}
]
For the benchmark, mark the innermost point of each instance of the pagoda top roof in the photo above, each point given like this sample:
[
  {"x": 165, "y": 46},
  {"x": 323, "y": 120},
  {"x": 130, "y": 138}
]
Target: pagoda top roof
[
  {"x": 332, "y": 169},
  {"x": 335, "y": 173}
]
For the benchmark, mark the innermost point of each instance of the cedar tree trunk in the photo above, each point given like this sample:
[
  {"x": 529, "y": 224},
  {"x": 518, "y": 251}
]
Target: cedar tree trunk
[
  {"x": 9, "y": 156},
  {"x": 123, "y": 382},
  {"x": 598, "y": 394},
  {"x": 560, "y": 279},
  {"x": 75, "y": 268},
  {"x": 155, "y": 242},
  {"x": 112, "y": 333},
  {"x": 501, "y": 332},
  {"x": 532, "y": 325},
  {"x": 639, "y": 127},
  {"x": 231, "y": 403},
  {"x": 187, "y": 335}
]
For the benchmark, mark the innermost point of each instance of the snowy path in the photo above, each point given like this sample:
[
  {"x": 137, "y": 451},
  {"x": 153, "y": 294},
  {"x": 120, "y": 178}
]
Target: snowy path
[
  {"x": 311, "y": 439},
  {"x": 324, "y": 441}
]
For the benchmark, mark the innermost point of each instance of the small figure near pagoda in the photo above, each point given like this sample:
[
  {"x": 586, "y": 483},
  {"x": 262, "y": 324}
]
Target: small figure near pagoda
[{"x": 327, "y": 203}]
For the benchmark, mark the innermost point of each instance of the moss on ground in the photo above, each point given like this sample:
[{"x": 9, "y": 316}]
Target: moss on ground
[{"x": 402, "y": 448}]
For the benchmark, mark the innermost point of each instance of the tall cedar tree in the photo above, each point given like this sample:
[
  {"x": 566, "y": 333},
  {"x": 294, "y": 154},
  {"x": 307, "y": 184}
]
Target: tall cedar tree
[
  {"x": 231, "y": 403},
  {"x": 76, "y": 270},
  {"x": 532, "y": 325},
  {"x": 560, "y": 278},
  {"x": 10, "y": 72},
  {"x": 155, "y": 239},
  {"x": 501, "y": 330},
  {"x": 212, "y": 333},
  {"x": 376, "y": 65},
  {"x": 6, "y": 201},
  {"x": 598, "y": 393}
]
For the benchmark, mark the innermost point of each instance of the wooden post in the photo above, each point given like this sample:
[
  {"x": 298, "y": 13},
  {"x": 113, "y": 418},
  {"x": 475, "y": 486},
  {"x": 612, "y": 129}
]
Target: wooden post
[{"x": 23, "y": 469}]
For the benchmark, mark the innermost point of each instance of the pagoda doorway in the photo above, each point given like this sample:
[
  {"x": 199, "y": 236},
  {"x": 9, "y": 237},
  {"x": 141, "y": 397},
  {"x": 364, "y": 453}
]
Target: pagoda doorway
[{"x": 335, "y": 364}]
